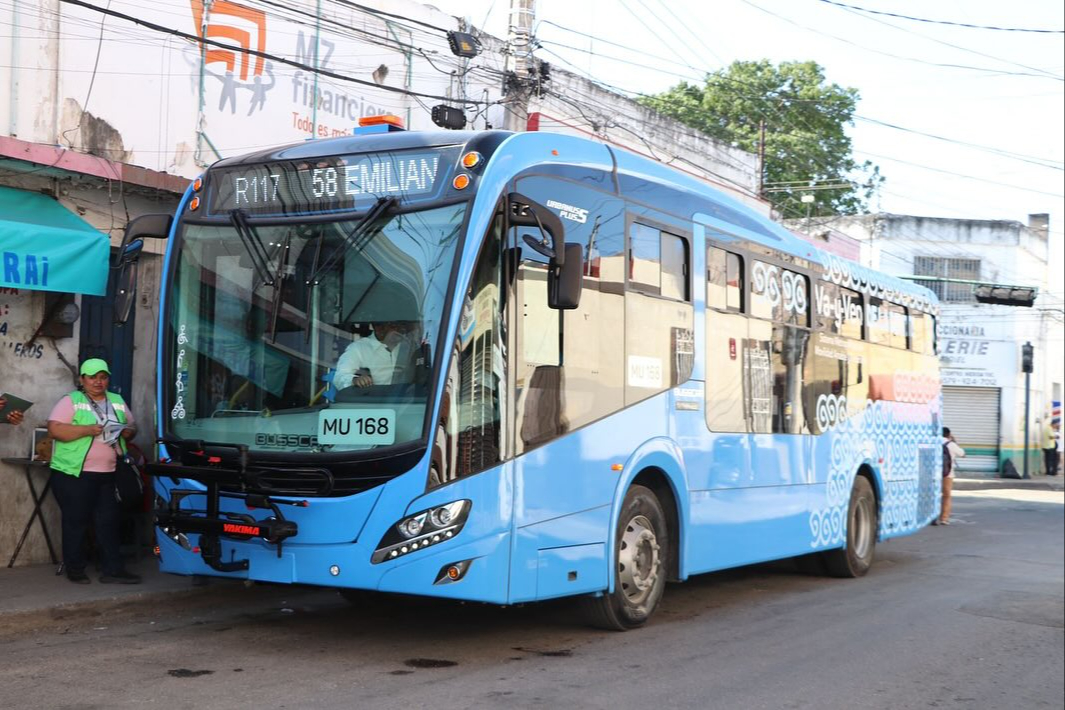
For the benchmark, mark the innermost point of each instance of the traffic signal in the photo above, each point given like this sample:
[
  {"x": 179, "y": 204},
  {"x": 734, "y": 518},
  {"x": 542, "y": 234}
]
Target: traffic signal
[
  {"x": 1027, "y": 357},
  {"x": 449, "y": 117},
  {"x": 1005, "y": 295}
]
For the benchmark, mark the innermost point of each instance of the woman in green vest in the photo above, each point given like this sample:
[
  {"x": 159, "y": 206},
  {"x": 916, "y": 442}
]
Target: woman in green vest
[{"x": 88, "y": 425}]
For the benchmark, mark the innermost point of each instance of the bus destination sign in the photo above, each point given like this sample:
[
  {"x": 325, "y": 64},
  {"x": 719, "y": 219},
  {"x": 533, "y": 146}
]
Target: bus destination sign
[{"x": 330, "y": 184}]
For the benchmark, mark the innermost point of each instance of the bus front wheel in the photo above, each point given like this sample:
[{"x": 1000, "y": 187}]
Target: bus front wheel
[
  {"x": 641, "y": 549},
  {"x": 855, "y": 559}
]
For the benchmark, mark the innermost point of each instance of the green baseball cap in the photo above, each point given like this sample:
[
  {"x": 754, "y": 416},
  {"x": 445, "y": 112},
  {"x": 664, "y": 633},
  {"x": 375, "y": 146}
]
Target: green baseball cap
[{"x": 94, "y": 365}]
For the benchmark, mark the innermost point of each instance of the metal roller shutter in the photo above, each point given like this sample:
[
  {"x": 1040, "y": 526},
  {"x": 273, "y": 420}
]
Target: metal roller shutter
[{"x": 972, "y": 414}]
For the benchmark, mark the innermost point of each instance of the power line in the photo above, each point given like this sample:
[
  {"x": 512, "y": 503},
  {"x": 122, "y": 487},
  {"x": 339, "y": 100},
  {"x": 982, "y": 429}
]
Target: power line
[
  {"x": 1005, "y": 154},
  {"x": 986, "y": 70},
  {"x": 940, "y": 22}
]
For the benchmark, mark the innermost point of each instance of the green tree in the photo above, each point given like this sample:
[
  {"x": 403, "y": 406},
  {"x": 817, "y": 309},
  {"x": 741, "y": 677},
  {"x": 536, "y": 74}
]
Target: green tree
[{"x": 806, "y": 145}]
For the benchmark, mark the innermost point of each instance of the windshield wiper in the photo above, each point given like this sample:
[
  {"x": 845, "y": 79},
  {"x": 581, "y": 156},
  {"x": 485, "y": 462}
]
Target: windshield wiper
[
  {"x": 355, "y": 236},
  {"x": 252, "y": 244}
]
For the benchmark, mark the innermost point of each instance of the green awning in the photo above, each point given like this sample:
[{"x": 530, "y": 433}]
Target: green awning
[{"x": 46, "y": 247}]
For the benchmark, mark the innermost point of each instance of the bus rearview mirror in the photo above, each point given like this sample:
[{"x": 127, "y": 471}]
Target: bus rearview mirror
[
  {"x": 565, "y": 279},
  {"x": 125, "y": 290}
]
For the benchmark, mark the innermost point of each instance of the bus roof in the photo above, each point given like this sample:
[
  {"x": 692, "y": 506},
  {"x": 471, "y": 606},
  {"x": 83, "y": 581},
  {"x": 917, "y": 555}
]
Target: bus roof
[{"x": 743, "y": 221}]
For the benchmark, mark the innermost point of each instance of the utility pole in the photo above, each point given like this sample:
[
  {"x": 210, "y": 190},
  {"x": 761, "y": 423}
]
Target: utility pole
[
  {"x": 1027, "y": 362},
  {"x": 519, "y": 61},
  {"x": 761, "y": 158}
]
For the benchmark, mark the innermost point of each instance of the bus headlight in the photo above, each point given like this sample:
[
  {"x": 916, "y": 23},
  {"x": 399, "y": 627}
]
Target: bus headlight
[
  {"x": 421, "y": 530},
  {"x": 411, "y": 527}
]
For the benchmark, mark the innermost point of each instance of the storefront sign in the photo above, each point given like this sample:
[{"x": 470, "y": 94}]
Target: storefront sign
[{"x": 977, "y": 362}]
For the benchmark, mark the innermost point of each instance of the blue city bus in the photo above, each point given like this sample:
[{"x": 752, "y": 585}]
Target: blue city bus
[{"x": 510, "y": 367}]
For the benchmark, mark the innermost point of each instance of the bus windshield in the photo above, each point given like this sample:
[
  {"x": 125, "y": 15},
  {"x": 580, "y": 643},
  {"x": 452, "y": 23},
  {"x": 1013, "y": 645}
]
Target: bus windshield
[{"x": 307, "y": 337}]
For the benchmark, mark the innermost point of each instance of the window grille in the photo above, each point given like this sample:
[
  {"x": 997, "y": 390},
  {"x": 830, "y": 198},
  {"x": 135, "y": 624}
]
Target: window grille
[{"x": 948, "y": 268}]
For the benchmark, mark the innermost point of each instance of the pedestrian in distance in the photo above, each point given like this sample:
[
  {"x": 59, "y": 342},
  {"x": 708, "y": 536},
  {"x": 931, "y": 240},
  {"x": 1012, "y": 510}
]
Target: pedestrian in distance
[
  {"x": 88, "y": 425},
  {"x": 951, "y": 453},
  {"x": 1051, "y": 433},
  {"x": 13, "y": 417}
]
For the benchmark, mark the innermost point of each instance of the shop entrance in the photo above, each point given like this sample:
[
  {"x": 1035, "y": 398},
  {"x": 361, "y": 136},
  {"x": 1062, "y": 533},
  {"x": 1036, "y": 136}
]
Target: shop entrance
[{"x": 972, "y": 413}]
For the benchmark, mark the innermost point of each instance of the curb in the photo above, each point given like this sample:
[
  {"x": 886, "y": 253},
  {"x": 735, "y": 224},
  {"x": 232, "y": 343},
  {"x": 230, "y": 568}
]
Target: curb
[
  {"x": 981, "y": 484},
  {"x": 77, "y": 613}
]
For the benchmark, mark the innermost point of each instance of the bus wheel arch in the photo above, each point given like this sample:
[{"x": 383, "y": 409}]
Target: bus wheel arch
[
  {"x": 639, "y": 564},
  {"x": 658, "y": 482},
  {"x": 863, "y": 523}
]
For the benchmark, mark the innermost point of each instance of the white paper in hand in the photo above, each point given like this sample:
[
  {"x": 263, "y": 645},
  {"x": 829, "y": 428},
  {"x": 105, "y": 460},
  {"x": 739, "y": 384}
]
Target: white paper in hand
[{"x": 112, "y": 430}]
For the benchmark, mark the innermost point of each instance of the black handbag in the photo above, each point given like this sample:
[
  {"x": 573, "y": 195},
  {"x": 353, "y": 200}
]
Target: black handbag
[{"x": 129, "y": 483}]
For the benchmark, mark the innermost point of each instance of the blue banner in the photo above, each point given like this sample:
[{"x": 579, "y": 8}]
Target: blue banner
[{"x": 46, "y": 247}]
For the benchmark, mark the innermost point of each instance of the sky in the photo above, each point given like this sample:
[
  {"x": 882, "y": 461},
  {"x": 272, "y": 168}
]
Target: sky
[{"x": 974, "y": 117}]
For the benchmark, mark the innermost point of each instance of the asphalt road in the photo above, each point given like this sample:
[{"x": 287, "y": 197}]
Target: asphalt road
[{"x": 967, "y": 616}]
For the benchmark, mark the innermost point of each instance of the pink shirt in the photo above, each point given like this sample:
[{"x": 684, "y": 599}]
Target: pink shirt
[{"x": 101, "y": 458}]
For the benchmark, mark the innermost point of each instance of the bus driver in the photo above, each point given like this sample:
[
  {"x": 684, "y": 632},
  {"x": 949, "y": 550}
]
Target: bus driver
[{"x": 381, "y": 358}]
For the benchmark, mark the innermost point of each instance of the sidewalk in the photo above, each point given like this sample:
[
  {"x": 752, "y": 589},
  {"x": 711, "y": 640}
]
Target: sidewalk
[
  {"x": 967, "y": 481},
  {"x": 35, "y": 595}
]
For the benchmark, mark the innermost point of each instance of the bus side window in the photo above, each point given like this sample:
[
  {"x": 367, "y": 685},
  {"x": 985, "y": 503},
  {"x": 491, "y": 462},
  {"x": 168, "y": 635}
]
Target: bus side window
[
  {"x": 917, "y": 332},
  {"x": 471, "y": 429},
  {"x": 724, "y": 280},
  {"x": 899, "y": 325},
  {"x": 726, "y": 336},
  {"x": 878, "y": 326},
  {"x": 658, "y": 262},
  {"x": 645, "y": 259},
  {"x": 674, "y": 267}
]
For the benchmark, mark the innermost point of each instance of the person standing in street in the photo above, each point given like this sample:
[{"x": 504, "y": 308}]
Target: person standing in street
[
  {"x": 83, "y": 472},
  {"x": 1051, "y": 433},
  {"x": 951, "y": 453}
]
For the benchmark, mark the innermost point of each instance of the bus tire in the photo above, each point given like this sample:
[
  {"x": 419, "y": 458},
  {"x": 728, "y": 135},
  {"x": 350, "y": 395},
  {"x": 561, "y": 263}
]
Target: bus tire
[
  {"x": 640, "y": 565},
  {"x": 856, "y": 558}
]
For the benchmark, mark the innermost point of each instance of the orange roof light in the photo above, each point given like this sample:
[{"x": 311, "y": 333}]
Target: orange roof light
[
  {"x": 461, "y": 181},
  {"x": 471, "y": 160},
  {"x": 194, "y": 204},
  {"x": 197, "y": 184},
  {"x": 384, "y": 119}
]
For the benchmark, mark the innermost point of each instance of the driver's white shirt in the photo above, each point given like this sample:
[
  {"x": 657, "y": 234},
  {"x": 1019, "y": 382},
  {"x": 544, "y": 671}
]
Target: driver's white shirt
[{"x": 369, "y": 353}]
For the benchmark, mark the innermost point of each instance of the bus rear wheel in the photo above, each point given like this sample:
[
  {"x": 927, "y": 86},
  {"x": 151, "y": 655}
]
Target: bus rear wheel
[
  {"x": 856, "y": 558},
  {"x": 641, "y": 550}
]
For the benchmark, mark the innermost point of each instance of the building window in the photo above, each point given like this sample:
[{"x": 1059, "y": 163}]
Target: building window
[{"x": 948, "y": 268}]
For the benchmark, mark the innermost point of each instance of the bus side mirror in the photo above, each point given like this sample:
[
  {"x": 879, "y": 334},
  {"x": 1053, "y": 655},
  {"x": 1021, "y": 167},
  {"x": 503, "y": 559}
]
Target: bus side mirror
[
  {"x": 156, "y": 226},
  {"x": 126, "y": 280},
  {"x": 565, "y": 279}
]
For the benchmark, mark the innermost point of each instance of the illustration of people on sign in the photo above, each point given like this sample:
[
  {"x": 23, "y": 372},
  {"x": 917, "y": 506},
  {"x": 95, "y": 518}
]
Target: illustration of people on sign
[
  {"x": 232, "y": 86},
  {"x": 228, "y": 93},
  {"x": 259, "y": 89}
]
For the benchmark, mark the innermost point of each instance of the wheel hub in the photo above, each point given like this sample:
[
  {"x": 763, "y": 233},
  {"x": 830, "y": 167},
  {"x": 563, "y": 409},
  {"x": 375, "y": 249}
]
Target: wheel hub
[{"x": 638, "y": 559}]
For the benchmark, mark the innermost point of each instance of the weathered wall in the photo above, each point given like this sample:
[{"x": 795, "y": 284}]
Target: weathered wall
[{"x": 36, "y": 373}]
